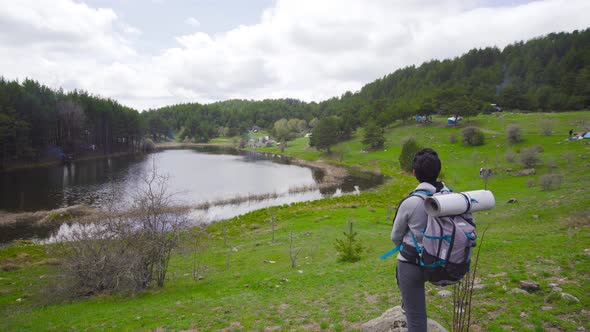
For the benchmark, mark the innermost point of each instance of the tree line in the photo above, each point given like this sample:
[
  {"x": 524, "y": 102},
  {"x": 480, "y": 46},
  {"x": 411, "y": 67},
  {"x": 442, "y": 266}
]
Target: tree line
[
  {"x": 549, "y": 73},
  {"x": 38, "y": 123}
]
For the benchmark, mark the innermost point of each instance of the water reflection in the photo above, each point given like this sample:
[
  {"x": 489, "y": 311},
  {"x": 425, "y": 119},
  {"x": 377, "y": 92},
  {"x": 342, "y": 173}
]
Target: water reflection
[{"x": 196, "y": 175}]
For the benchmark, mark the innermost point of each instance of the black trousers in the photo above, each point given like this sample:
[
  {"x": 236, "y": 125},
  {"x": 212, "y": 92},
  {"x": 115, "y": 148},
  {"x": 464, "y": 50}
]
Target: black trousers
[{"x": 410, "y": 281}]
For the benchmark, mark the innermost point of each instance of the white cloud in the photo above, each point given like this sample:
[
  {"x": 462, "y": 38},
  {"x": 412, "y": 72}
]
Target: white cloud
[
  {"x": 193, "y": 22},
  {"x": 314, "y": 50},
  {"x": 131, "y": 30},
  {"x": 304, "y": 49}
]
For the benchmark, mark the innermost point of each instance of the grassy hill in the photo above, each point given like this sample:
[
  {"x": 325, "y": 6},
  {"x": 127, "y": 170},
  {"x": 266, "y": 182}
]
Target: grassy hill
[{"x": 247, "y": 281}]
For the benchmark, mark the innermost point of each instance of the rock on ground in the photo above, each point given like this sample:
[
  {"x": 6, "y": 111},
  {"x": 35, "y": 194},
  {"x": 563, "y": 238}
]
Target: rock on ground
[
  {"x": 394, "y": 320},
  {"x": 529, "y": 285},
  {"x": 569, "y": 298},
  {"x": 526, "y": 172}
]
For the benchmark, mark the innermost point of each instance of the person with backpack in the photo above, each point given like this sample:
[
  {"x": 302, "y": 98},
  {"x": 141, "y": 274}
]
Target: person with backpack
[{"x": 408, "y": 226}]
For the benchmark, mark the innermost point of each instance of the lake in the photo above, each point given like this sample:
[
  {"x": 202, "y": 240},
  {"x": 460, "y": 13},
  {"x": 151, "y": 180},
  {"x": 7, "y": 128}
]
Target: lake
[{"x": 195, "y": 176}]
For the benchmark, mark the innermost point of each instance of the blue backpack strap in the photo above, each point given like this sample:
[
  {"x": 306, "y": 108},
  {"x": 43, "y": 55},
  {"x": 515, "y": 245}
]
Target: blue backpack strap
[
  {"x": 435, "y": 264},
  {"x": 392, "y": 251},
  {"x": 421, "y": 192},
  {"x": 447, "y": 238},
  {"x": 419, "y": 248}
]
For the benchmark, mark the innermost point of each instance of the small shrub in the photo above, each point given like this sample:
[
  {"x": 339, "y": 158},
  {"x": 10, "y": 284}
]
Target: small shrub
[
  {"x": 531, "y": 183},
  {"x": 568, "y": 156},
  {"x": 294, "y": 252},
  {"x": 529, "y": 157},
  {"x": 514, "y": 134},
  {"x": 406, "y": 157},
  {"x": 349, "y": 249},
  {"x": 95, "y": 262},
  {"x": 578, "y": 219},
  {"x": 538, "y": 148},
  {"x": 510, "y": 156},
  {"x": 453, "y": 138},
  {"x": 473, "y": 136},
  {"x": 551, "y": 164},
  {"x": 546, "y": 127},
  {"x": 550, "y": 181}
]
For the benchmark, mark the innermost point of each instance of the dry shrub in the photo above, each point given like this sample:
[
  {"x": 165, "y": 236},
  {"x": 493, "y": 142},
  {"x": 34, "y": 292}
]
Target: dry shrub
[
  {"x": 98, "y": 260},
  {"x": 514, "y": 134},
  {"x": 546, "y": 127},
  {"x": 123, "y": 251},
  {"x": 551, "y": 164},
  {"x": 538, "y": 148},
  {"x": 529, "y": 157},
  {"x": 510, "y": 156},
  {"x": 578, "y": 219},
  {"x": 473, "y": 136},
  {"x": 550, "y": 181}
]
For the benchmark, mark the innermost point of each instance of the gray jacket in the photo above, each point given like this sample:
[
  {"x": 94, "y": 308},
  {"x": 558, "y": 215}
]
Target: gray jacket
[{"x": 410, "y": 215}]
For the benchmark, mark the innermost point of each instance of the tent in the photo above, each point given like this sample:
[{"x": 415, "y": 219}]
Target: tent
[
  {"x": 586, "y": 135},
  {"x": 453, "y": 120}
]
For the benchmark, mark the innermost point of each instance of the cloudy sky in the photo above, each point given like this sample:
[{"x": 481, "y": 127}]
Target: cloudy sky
[{"x": 151, "y": 53}]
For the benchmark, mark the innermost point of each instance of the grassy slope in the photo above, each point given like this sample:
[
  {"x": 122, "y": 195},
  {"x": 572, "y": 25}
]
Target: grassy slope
[{"x": 241, "y": 291}]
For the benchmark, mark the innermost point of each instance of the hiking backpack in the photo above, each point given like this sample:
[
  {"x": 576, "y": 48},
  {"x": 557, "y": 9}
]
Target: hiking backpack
[{"x": 447, "y": 245}]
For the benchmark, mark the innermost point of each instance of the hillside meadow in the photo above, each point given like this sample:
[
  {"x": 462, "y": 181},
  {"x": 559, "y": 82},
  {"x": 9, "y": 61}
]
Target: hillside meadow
[{"x": 237, "y": 274}]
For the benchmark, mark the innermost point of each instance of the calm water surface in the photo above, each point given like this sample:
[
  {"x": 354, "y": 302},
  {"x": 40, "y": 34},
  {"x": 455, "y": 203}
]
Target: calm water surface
[{"x": 194, "y": 175}]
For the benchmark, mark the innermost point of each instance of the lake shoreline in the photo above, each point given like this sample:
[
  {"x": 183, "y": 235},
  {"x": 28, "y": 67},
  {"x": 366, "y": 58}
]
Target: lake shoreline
[
  {"x": 333, "y": 174},
  {"x": 181, "y": 145},
  {"x": 56, "y": 161},
  {"x": 333, "y": 177}
]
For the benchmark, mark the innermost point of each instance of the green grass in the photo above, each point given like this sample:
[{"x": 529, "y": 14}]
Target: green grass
[{"x": 541, "y": 237}]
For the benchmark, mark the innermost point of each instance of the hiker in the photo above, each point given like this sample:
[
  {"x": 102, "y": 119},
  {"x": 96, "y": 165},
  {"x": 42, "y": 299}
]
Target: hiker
[
  {"x": 570, "y": 134},
  {"x": 411, "y": 218}
]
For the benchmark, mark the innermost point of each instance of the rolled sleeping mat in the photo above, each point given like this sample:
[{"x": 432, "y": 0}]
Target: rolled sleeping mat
[{"x": 452, "y": 204}]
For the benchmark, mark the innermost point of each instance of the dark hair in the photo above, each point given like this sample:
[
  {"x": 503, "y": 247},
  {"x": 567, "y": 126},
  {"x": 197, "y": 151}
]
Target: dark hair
[{"x": 427, "y": 165}]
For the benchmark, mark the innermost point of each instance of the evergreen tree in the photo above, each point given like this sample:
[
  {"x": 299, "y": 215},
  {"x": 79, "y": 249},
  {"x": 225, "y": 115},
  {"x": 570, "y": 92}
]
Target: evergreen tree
[
  {"x": 373, "y": 137},
  {"x": 406, "y": 157},
  {"x": 326, "y": 133}
]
